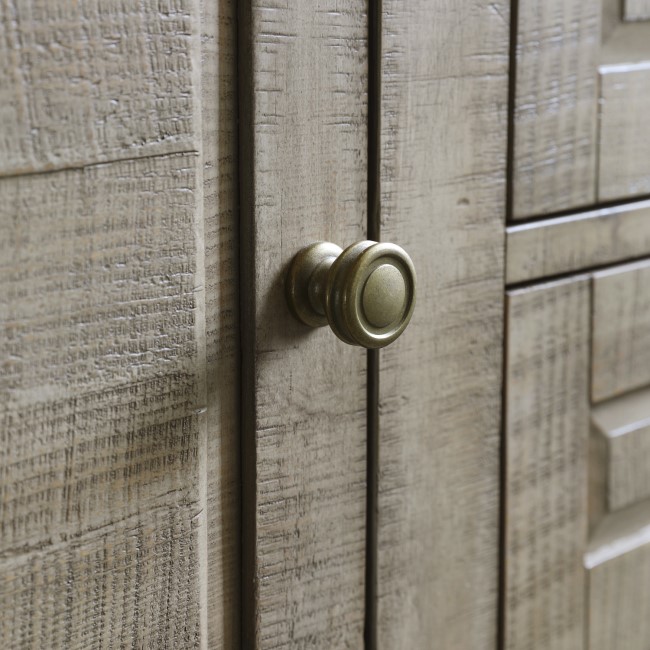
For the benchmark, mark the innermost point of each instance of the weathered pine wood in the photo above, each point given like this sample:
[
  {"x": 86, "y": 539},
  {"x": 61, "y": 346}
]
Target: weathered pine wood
[
  {"x": 101, "y": 396},
  {"x": 134, "y": 583},
  {"x": 565, "y": 244},
  {"x": 618, "y": 564},
  {"x": 624, "y": 162},
  {"x": 94, "y": 81},
  {"x": 636, "y": 9},
  {"x": 555, "y": 106},
  {"x": 443, "y": 161},
  {"x": 623, "y": 426},
  {"x": 303, "y": 133},
  {"x": 118, "y": 428},
  {"x": 621, "y": 330},
  {"x": 219, "y": 190},
  {"x": 546, "y": 442}
]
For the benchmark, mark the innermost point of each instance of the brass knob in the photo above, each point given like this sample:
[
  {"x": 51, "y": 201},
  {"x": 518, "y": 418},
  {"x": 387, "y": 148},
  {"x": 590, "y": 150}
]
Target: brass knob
[{"x": 366, "y": 293}]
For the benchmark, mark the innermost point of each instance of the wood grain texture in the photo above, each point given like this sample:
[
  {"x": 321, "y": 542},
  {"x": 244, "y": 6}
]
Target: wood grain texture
[
  {"x": 566, "y": 244},
  {"x": 118, "y": 427},
  {"x": 623, "y": 425},
  {"x": 624, "y": 161},
  {"x": 443, "y": 153},
  {"x": 636, "y": 9},
  {"x": 621, "y": 330},
  {"x": 546, "y": 443},
  {"x": 101, "y": 383},
  {"x": 555, "y": 106},
  {"x": 131, "y": 584},
  {"x": 219, "y": 191},
  {"x": 98, "y": 80},
  {"x": 303, "y": 134},
  {"x": 618, "y": 564}
]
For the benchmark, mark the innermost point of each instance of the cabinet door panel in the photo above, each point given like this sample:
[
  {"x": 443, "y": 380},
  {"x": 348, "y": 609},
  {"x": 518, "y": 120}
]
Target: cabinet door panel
[
  {"x": 621, "y": 330},
  {"x": 443, "y": 158},
  {"x": 624, "y": 168},
  {"x": 618, "y": 565},
  {"x": 303, "y": 135},
  {"x": 546, "y": 442},
  {"x": 555, "y": 106},
  {"x": 621, "y": 436},
  {"x": 576, "y": 502}
]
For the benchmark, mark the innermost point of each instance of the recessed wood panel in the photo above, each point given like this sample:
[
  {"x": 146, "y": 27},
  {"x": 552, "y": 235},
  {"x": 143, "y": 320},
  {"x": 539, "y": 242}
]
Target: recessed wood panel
[
  {"x": 624, "y": 163},
  {"x": 443, "y": 160},
  {"x": 555, "y": 106},
  {"x": 618, "y": 564},
  {"x": 623, "y": 426},
  {"x": 636, "y": 9},
  {"x": 546, "y": 442},
  {"x": 621, "y": 330}
]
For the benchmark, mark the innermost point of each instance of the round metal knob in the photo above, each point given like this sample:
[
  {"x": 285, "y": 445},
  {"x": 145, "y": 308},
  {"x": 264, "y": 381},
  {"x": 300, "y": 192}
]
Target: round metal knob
[{"x": 366, "y": 293}]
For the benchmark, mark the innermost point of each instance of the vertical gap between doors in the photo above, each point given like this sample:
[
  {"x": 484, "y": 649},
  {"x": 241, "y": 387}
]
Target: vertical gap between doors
[
  {"x": 503, "y": 496},
  {"x": 512, "y": 90},
  {"x": 372, "y": 402},
  {"x": 249, "y": 628}
]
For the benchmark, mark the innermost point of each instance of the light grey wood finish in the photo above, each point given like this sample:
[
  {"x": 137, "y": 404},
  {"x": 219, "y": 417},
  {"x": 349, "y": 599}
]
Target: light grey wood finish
[
  {"x": 102, "y": 399},
  {"x": 624, "y": 163},
  {"x": 134, "y": 583},
  {"x": 93, "y": 81},
  {"x": 555, "y": 106},
  {"x": 618, "y": 563},
  {"x": 610, "y": 19},
  {"x": 303, "y": 132},
  {"x": 443, "y": 152},
  {"x": 220, "y": 195},
  {"x": 623, "y": 426},
  {"x": 118, "y": 435},
  {"x": 621, "y": 330},
  {"x": 565, "y": 244},
  {"x": 625, "y": 43},
  {"x": 636, "y": 9},
  {"x": 546, "y": 442}
]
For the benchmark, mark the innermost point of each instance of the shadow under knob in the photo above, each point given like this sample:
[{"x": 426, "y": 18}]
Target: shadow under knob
[{"x": 366, "y": 293}]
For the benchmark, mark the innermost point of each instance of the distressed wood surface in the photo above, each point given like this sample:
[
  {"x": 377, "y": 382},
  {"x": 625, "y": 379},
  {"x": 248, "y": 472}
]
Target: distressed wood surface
[
  {"x": 443, "y": 161},
  {"x": 101, "y": 390},
  {"x": 621, "y": 330},
  {"x": 623, "y": 424},
  {"x": 118, "y": 434},
  {"x": 94, "y": 81},
  {"x": 624, "y": 161},
  {"x": 303, "y": 132},
  {"x": 636, "y": 9},
  {"x": 134, "y": 583},
  {"x": 618, "y": 564},
  {"x": 555, "y": 106},
  {"x": 546, "y": 443},
  {"x": 219, "y": 191},
  {"x": 565, "y": 244}
]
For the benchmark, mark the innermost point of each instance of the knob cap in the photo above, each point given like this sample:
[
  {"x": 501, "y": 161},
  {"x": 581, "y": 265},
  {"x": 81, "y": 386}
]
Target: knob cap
[{"x": 366, "y": 293}]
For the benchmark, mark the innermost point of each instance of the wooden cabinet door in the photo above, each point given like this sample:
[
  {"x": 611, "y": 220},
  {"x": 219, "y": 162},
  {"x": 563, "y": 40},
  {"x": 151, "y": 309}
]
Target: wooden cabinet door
[
  {"x": 371, "y": 480},
  {"x": 183, "y": 464},
  {"x": 576, "y": 403}
]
